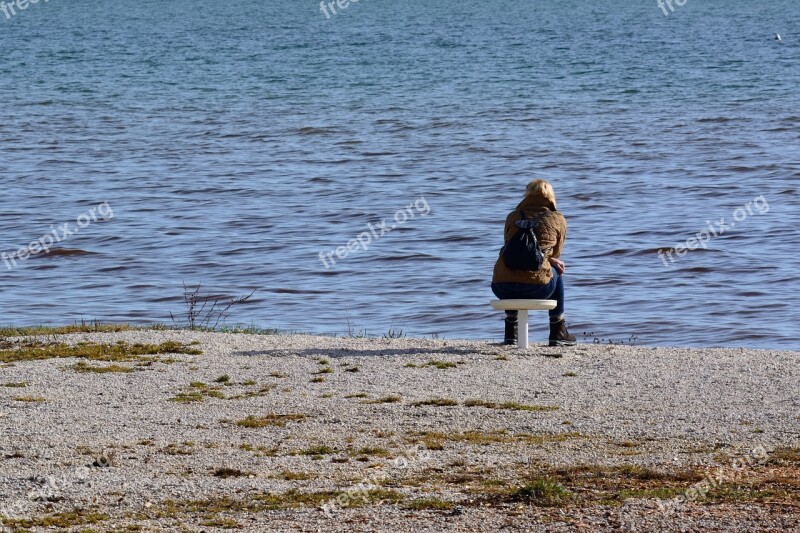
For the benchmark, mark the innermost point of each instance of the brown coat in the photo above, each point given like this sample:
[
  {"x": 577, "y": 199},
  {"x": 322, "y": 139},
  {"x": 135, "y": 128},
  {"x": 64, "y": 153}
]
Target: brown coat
[{"x": 551, "y": 232}]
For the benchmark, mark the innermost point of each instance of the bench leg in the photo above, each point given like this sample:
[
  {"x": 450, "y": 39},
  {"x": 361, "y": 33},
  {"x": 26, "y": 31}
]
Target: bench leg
[{"x": 522, "y": 328}]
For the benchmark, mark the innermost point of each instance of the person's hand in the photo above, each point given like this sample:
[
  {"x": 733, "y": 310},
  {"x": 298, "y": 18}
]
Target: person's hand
[{"x": 558, "y": 264}]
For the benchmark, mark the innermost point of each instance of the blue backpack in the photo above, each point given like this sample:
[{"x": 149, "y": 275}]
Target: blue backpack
[{"x": 522, "y": 251}]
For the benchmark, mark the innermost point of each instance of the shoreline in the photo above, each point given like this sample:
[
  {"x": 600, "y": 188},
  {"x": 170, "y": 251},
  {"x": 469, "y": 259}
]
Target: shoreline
[
  {"x": 262, "y": 432},
  {"x": 538, "y": 334}
]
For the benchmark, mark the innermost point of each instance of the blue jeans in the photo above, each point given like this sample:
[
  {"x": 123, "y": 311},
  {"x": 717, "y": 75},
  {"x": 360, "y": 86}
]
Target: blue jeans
[{"x": 554, "y": 290}]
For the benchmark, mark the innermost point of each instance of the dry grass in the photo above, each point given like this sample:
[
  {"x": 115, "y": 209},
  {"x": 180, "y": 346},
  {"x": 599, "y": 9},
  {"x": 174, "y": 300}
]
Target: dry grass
[
  {"x": 513, "y": 406},
  {"x": 119, "y": 352},
  {"x": 83, "y": 367},
  {"x": 385, "y": 399},
  {"x": 270, "y": 420},
  {"x": 436, "y": 402},
  {"x": 29, "y": 399}
]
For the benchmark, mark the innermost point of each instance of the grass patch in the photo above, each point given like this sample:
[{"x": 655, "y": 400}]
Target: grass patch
[
  {"x": 84, "y": 367},
  {"x": 514, "y": 406},
  {"x": 569, "y": 374},
  {"x": 225, "y": 472},
  {"x": 324, "y": 370},
  {"x": 543, "y": 492},
  {"x": 357, "y": 395},
  {"x": 318, "y": 379},
  {"x": 198, "y": 391},
  {"x": 440, "y": 364},
  {"x": 270, "y": 420},
  {"x": 29, "y": 399},
  {"x": 78, "y": 327},
  {"x": 187, "y": 397},
  {"x": 210, "y": 509},
  {"x": 259, "y": 451},
  {"x": 63, "y": 520},
  {"x": 785, "y": 456},
  {"x": 185, "y": 448},
  {"x": 263, "y": 391},
  {"x": 288, "y": 475},
  {"x": 384, "y": 399},
  {"x": 18, "y": 385},
  {"x": 372, "y": 451},
  {"x": 433, "y": 440},
  {"x": 436, "y": 402},
  {"x": 318, "y": 450},
  {"x": 119, "y": 352}
]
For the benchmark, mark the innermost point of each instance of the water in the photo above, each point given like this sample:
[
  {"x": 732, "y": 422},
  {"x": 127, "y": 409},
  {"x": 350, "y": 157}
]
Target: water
[{"x": 236, "y": 141}]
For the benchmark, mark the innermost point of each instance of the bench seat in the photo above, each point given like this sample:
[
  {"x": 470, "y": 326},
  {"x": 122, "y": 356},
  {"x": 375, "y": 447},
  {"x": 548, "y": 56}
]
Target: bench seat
[{"x": 523, "y": 306}]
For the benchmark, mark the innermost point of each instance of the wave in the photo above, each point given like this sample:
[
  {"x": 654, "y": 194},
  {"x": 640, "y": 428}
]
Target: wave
[{"x": 63, "y": 252}]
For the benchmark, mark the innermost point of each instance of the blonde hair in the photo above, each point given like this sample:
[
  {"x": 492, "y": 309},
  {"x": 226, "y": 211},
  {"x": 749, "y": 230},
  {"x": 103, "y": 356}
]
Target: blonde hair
[{"x": 541, "y": 188}]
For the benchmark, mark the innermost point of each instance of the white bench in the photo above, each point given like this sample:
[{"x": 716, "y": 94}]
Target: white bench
[{"x": 522, "y": 307}]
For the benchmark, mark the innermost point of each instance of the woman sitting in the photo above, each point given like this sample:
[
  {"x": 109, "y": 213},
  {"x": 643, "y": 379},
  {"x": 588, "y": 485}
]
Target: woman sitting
[{"x": 547, "y": 283}]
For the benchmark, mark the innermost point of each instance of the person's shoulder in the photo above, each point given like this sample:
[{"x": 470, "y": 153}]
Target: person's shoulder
[{"x": 555, "y": 217}]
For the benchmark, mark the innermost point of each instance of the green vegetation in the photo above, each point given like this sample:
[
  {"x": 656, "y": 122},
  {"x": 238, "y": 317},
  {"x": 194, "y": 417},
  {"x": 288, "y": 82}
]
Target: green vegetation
[
  {"x": 78, "y": 327},
  {"x": 63, "y": 520},
  {"x": 384, "y": 399},
  {"x": 270, "y": 420},
  {"x": 197, "y": 391},
  {"x": 317, "y": 450},
  {"x": 119, "y": 352},
  {"x": 434, "y": 440},
  {"x": 440, "y": 364},
  {"x": 187, "y": 397},
  {"x": 544, "y": 492},
  {"x": 514, "y": 406},
  {"x": 436, "y": 402},
  {"x": 226, "y": 472},
  {"x": 288, "y": 475},
  {"x": 184, "y": 448},
  {"x": 259, "y": 451},
  {"x": 87, "y": 368},
  {"x": 371, "y": 451}
]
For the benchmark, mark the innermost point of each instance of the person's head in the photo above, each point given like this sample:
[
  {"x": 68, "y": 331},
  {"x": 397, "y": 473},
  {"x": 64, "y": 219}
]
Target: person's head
[{"x": 541, "y": 189}]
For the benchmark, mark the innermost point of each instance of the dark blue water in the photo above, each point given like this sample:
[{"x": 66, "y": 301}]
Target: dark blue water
[{"x": 235, "y": 141}]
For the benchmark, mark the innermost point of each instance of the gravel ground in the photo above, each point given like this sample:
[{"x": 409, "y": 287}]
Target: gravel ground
[{"x": 146, "y": 448}]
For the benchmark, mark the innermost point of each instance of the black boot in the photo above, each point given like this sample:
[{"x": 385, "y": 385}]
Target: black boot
[
  {"x": 559, "y": 336},
  {"x": 511, "y": 328}
]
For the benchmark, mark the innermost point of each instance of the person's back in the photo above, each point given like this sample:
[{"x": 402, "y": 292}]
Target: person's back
[{"x": 538, "y": 203}]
